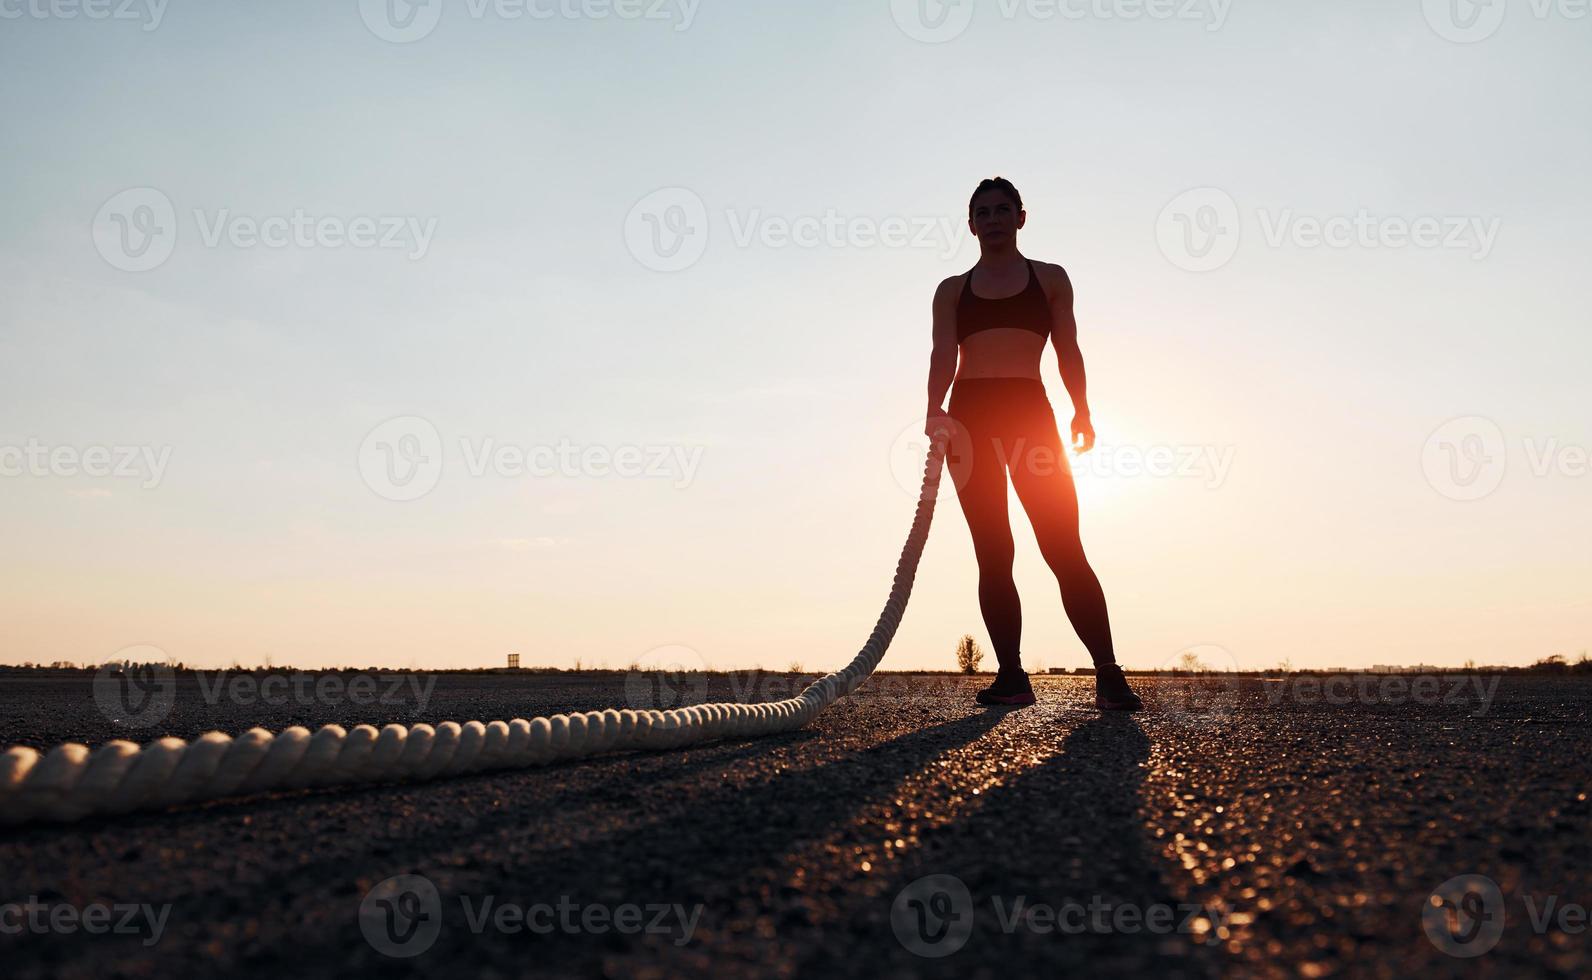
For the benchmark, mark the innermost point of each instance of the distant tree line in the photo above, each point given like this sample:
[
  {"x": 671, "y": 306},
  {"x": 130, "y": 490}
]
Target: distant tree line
[{"x": 968, "y": 658}]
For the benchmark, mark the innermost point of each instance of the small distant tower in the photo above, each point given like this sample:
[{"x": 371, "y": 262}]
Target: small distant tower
[{"x": 514, "y": 661}]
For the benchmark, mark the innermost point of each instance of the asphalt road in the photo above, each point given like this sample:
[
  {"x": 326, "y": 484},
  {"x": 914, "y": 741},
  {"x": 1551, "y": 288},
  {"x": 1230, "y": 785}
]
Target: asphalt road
[{"x": 1233, "y": 828}]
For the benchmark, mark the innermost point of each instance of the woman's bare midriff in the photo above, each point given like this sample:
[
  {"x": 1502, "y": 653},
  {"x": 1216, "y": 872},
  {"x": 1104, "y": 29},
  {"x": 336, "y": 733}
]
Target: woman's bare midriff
[{"x": 1004, "y": 352}]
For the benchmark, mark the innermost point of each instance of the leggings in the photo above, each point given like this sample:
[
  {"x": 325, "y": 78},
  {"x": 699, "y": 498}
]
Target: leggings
[{"x": 1007, "y": 423}]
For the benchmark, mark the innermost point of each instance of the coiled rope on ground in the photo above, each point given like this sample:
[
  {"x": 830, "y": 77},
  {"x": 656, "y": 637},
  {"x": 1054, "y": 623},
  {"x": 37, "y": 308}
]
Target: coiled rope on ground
[{"x": 71, "y": 782}]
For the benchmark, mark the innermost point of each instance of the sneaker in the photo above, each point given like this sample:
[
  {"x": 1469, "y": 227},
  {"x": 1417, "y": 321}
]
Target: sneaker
[
  {"x": 1112, "y": 692},
  {"x": 1009, "y": 690}
]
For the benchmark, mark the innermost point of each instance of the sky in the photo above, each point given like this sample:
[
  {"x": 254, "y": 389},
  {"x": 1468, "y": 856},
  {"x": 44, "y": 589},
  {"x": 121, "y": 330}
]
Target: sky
[{"x": 370, "y": 333}]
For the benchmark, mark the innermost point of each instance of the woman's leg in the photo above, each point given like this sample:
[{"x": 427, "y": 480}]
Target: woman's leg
[
  {"x": 980, "y": 478},
  {"x": 1043, "y": 480}
]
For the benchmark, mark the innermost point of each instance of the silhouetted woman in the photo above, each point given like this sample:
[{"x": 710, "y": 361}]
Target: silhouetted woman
[{"x": 997, "y": 317}]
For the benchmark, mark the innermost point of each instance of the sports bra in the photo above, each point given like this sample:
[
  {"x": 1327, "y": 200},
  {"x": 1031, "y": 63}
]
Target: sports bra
[{"x": 1028, "y": 310}]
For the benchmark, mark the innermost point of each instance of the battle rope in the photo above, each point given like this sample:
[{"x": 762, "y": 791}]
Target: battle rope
[{"x": 69, "y": 782}]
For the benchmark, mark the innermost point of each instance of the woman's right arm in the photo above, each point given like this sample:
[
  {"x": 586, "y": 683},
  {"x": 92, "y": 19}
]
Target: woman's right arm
[{"x": 942, "y": 359}]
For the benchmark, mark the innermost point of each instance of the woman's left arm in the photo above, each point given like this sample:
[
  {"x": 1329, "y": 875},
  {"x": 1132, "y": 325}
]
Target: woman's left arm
[{"x": 1064, "y": 337}]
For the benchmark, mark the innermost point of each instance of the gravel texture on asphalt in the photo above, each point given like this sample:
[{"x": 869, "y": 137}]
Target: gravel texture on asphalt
[{"x": 1257, "y": 828}]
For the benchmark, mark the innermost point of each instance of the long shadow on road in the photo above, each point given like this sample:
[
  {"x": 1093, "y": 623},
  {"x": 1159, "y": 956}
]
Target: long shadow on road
[
  {"x": 775, "y": 868},
  {"x": 1051, "y": 870},
  {"x": 768, "y": 850},
  {"x": 686, "y": 837},
  {"x": 725, "y": 848}
]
